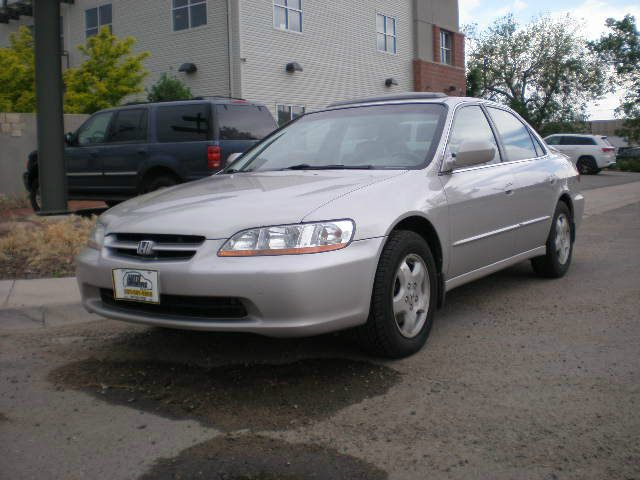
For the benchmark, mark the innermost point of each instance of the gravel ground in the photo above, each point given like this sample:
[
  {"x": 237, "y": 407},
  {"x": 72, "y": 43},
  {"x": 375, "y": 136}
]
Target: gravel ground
[{"x": 521, "y": 378}]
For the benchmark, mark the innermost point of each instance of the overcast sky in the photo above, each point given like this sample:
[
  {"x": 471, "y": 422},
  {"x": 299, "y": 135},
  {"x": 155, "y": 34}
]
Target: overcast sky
[{"x": 592, "y": 13}]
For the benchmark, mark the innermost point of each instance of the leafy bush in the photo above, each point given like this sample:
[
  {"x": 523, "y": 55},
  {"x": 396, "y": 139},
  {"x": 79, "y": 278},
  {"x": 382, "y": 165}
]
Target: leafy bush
[
  {"x": 631, "y": 164},
  {"x": 168, "y": 89}
]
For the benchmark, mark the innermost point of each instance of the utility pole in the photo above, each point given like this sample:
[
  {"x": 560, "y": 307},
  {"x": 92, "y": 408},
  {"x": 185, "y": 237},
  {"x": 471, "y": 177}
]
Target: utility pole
[{"x": 51, "y": 168}]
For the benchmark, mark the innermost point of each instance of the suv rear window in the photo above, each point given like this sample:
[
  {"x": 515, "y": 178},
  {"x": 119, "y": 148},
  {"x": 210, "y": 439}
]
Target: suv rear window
[
  {"x": 184, "y": 123},
  {"x": 244, "y": 122},
  {"x": 129, "y": 126},
  {"x": 578, "y": 141}
]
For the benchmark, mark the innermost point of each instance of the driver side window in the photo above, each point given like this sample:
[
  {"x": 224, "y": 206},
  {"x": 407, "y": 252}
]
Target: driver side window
[
  {"x": 471, "y": 124},
  {"x": 95, "y": 130}
]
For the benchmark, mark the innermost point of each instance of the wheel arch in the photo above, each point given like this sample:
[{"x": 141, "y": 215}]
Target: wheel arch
[
  {"x": 566, "y": 199},
  {"x": 423, "y": 227}
]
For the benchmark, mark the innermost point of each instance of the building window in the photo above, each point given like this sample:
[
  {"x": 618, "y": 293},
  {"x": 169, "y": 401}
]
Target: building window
[
  {"x": 446, "y": 47},
  {"x": 189, "y": 14},
  {"x": 96, "y": 18},
  {"x": 286, "y": 113},
  {"x": 287, "y": 15},
  {"x": 386, "y": 28}
]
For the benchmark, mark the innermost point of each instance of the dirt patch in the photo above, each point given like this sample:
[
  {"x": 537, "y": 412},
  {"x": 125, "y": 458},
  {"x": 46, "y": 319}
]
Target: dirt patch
[
  {"x": 3, "y": 418},
  {"x": 260, "y": 458},
  {"x": 257, "y": 396}
]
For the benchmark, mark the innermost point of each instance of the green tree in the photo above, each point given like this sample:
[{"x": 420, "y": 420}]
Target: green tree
[
  {"x": 543, "y": 70},
  {"x": 620, "y": 48},
  {"x": 17, "y": 74},
  {"x": 168, "y": 89},
  {"x": 110, "y": 73}
]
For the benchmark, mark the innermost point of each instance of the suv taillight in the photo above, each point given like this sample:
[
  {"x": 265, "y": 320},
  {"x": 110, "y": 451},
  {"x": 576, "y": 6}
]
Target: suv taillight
[
  {"x": 214, "y": 157},
  {"x": 608, "y": 149}
]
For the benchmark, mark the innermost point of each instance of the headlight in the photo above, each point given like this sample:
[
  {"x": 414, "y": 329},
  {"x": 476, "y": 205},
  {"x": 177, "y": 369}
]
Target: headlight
[
  {"x": 96, "y": 237},
  {"x": 290, "y": 239}
]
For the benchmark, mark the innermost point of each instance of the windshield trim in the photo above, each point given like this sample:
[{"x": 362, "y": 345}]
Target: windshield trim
[{"x": 429, "y": 156}]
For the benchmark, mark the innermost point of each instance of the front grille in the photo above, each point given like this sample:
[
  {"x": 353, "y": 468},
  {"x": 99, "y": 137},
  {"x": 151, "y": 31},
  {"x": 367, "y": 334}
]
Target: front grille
[
  {"x": 166, "y": 247},
  {"x": 184, "y": 306}
]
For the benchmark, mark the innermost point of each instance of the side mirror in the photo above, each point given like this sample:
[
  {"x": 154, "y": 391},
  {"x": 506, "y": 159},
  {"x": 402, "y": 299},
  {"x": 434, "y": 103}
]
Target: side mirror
[
  {"x": 69, "y": 138},
  {"x": 233, "y": 157},
  {"x": 470, "y": 153}
]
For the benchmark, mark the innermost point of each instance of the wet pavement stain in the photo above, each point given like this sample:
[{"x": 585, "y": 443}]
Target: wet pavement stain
[
  {"x": 254, "y": 396},
  {"x": 249, "y": 457}
]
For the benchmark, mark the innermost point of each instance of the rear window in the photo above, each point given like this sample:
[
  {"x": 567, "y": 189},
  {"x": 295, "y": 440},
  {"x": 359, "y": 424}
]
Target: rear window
[
  {"x": 244, "y": 122},
  {"x": 184, "y": 123},
  {"x": 552, "y": 140},
  {"x": 129, "y": 126},
  {"x": 578, "y": 141}
]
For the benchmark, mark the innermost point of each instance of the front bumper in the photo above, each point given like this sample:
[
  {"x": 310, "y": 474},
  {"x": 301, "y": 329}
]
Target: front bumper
[{"x": 285, "y": 296}]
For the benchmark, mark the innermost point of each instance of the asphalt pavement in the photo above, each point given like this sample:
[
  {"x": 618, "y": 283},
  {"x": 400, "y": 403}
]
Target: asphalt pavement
[{"x": 521, "y": 378}]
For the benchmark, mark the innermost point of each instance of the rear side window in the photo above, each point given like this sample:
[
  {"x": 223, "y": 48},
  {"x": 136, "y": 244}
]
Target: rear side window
[
  {"x": 578, "y": 141},
  {"x": 244, "y": 122},
  {"x": 129, "y": 126},
  {"x": 515, "y": 136},
  {"x": 470, "y": 124},
  {"x": 553, "y": 140},
  {"x": 184, "y": 123}
]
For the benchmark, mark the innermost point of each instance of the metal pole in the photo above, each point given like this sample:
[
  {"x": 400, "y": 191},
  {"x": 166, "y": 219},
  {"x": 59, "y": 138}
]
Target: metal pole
[{"x": 53, "y": 186}]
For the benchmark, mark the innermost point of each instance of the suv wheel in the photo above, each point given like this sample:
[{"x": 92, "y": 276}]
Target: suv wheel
[
  {"x": 559, "y": 245},
  {"x": 403, "y": 299},
  {"x": 159, "y": 181},
  {"x": 587, "y": 166}
]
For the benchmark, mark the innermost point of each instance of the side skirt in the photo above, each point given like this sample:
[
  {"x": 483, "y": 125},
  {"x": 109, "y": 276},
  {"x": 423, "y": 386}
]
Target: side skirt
[{"x": 494, "y": 267}]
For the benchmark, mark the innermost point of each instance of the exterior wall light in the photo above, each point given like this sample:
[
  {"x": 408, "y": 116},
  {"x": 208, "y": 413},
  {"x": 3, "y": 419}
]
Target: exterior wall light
[
  {"x": 188, "y": 68},
  {"x": 390, "y": 81},
  {"x": 293, "y": 67}
]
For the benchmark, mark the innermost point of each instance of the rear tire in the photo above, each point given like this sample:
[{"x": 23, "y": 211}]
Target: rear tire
[
  {"x": 587, "y": 166},
  {"x": 555, "y": 263},
  {"x": 159, "y": 181},
  {"x": 405, "y": 293}
]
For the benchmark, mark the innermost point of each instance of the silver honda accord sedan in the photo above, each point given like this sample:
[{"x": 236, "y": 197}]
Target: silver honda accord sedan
[{"x": 362, "y": 215}]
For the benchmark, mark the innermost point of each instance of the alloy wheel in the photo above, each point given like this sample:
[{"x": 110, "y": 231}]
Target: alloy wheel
[{"x": 411, "y": 295}]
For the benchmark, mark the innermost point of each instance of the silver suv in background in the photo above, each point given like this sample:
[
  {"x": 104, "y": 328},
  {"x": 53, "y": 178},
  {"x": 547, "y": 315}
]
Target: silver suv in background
[{"x": 589, "y": 153}]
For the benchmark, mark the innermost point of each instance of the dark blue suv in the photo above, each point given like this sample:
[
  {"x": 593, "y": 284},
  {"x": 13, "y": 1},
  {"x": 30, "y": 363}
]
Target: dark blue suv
[{"x": 125, "y": 151}]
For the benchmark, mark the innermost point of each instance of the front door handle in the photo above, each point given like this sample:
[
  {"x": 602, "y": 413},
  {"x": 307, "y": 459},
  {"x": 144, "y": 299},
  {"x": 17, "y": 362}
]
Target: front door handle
[
  {"x": 142, "y": 152},
  {"x": 508, "y": 188}
]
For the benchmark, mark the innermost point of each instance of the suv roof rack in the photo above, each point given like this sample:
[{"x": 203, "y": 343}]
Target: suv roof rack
[
  {"x": 217, "y": 96},
  {"x": 401, "y": 96}
]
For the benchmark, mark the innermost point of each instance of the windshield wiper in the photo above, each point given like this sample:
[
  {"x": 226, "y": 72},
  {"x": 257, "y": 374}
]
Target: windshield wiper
[{"x": 306, "y": 166}]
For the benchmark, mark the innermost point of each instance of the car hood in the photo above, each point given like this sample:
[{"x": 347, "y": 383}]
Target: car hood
[{"x": 221, "y": 205}]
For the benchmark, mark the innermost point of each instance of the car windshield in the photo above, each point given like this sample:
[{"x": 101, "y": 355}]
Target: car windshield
[{"x": 375, "y": 137}]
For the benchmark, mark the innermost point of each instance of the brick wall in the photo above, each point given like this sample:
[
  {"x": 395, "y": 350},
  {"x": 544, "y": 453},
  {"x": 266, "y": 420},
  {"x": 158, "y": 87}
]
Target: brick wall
[{"x": 439, "y": 77}]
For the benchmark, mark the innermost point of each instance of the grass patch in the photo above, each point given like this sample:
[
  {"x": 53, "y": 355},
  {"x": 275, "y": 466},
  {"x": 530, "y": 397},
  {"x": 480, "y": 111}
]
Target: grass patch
[
  {"x": 13, "y": 202},
  {"x": 42, "y": 247}
]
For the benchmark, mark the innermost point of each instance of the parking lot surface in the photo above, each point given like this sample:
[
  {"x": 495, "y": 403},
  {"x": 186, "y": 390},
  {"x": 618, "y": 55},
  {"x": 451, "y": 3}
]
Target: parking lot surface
[{"x": 521, "y": 378}]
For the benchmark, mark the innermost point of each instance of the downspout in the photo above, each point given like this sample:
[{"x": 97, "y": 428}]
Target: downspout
[{"x": 229, "y": 48}]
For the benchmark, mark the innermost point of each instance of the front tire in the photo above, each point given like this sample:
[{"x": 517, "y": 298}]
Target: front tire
[
  {"x": 405, "y": 293},
  {"x": 555, "y": 263},
  {"x": 34, "y": 195}
]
